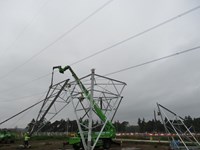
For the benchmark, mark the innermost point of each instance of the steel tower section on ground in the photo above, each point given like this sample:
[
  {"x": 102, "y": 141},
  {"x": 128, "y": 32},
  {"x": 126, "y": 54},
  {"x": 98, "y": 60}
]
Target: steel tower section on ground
[{"x": 181, "y": 136}]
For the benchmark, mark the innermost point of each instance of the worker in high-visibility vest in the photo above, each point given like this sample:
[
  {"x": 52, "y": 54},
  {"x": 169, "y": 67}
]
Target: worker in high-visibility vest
[{"x": 26, "y": 140}]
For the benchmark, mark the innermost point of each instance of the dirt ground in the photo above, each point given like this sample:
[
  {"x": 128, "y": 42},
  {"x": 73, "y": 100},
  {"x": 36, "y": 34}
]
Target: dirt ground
[{"x": 58, "y": 145}]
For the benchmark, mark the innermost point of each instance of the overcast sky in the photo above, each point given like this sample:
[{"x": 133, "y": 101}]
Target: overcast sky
[{"x": 27, "y": 27}]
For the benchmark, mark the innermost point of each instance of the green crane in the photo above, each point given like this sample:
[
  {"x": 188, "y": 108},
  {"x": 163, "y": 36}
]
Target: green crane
[{"x": 109, "y": 131}]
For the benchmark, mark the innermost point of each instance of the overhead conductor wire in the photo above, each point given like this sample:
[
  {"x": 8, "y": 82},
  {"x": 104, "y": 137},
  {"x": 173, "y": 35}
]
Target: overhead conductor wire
[
  {"x": 136, "y": 66},
  {"x": 25, "y": 28},
  {"x": 45, "y": 48},
  {"x": 15, "y": 123},
  {"x": 116, "y": 44},
  {"x": 154, "y": 60},
  {"x": 56, "y": 40},
  {"x": 105, "y": 49},
  {"x": 138, "y": 34},
  {"x": 122, "y": 70}
]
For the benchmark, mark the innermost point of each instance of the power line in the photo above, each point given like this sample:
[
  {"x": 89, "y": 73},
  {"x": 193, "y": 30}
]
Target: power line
[
  {"x": 25, "y": 28},
  {"x": 22, "y": 85},
  {"x": 21, "y": 117},
  {"x": 23, "y": 97},
  {"x": 132, "y": 67},
  {"x": 56, "y": 40},
  {"x": 138, "y": 34},
  {"x": 154, "y": 60},
  {"x": 122, "y": 70},
  {"x": 22, "y": 111},
  {"x": 114, "y": 45}
]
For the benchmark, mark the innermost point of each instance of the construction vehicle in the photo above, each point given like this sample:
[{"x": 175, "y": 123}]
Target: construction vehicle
[
  {"x": 109, "y": 132},
  {"x": 7, "y": 137}
]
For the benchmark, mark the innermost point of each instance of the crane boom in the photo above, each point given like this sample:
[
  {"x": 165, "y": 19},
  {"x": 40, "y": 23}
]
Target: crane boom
[
  {"x": 111, "y": 95},
  {"x": 109, "y": 126}
]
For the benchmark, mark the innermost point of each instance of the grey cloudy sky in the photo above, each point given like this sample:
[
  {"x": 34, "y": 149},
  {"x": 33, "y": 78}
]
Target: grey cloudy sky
[{"x": 29, "y": 26}]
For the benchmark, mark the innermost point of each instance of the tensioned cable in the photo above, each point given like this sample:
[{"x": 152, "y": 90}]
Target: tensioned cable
[
  {"x": 23, "y": 97},
  {"x": 25, "y": 28},
  {"x": 122, "y": 70},
  {"x": 57, "y": 39},
  {"x": 22, "y": 85},
  {"x": 139, "y": 65},
  {"x": 154, "y": 60},
  {"x": 22, "y": 111},
  {"x": 138, "y": 34},
  {"x": 25, "y": 114},
  {"x": 134, "y": 36}
]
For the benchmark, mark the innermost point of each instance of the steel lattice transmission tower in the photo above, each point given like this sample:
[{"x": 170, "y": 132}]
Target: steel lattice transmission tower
[
  {"x": 184, "y": 139},
  {"x": 106, "y": 93}
]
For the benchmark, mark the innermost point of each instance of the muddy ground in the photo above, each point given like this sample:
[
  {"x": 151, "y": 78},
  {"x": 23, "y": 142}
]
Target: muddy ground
[{"x": 58, "y": 145}]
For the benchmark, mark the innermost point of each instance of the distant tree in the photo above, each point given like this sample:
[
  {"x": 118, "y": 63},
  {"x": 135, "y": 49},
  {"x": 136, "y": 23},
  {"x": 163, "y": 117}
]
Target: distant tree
[
  {"x": 125, "y": 125},
  {"x": 117, "y": 125},
  {"x": 46, "y": 127},
  {"x": 142, "y": 125},
  {"x": 189, "y": 122},
  {"x": 73, "y": 126},
  {"x": 150, "y": 126},
  {"x": 63, "y": 124},
  {"x": 132, "y": 128},
  {"x": 30, "y": 125},
  {"x": 159, "y": 126},
  {"x": 196, "y": 124}
]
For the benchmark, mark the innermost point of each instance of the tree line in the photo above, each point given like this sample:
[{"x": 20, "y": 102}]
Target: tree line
[
  {"x": 124, "y": 126},
  {"x": 157, "y": 126}
]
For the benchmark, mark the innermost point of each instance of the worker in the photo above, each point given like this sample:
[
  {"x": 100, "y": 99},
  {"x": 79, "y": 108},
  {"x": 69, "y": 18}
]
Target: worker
[{"x": 26, "y": 140}]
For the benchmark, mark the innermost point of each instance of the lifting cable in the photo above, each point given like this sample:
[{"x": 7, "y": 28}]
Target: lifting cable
[{"x": 21, "y": 112}]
